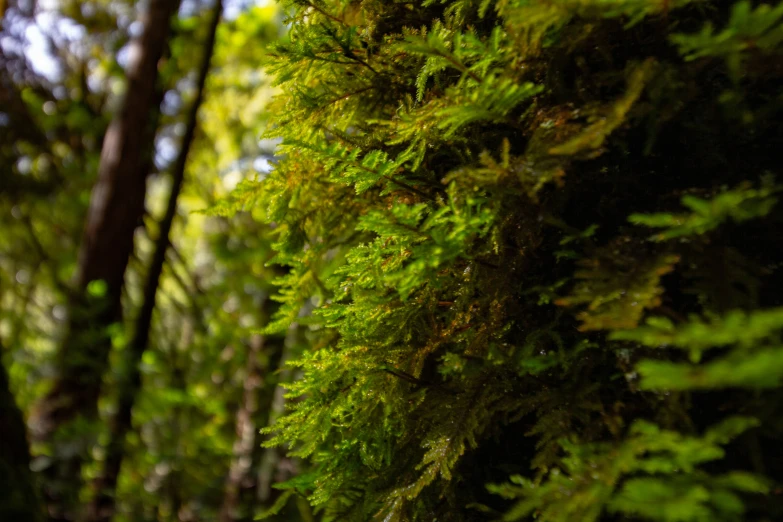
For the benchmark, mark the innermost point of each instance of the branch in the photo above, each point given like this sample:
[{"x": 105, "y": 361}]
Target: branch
[{"x": 327, "y": 15}]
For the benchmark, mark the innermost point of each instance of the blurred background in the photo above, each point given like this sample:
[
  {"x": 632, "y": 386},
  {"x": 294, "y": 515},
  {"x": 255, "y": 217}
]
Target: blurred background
[{"x": 135, "y": 376}]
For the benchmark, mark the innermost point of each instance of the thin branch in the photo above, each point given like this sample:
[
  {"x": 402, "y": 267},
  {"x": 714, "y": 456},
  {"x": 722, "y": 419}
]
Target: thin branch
[
  {"x": 329, "y": 16},
  {"x": 347, "y": 95},
  {"x": 461, "y": 66}
]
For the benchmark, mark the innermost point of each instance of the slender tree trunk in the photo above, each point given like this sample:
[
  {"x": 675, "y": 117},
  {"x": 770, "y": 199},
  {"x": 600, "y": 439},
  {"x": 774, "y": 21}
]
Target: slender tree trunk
[
  {"x": 116, "y": 209},
  {"x": 18, "y": 498},
  {"x": 271, "y": 470},
  {"x": 102, "y": 507},
  {"x": 179, "y": 383},
  {"x": 252, "y": 415}
]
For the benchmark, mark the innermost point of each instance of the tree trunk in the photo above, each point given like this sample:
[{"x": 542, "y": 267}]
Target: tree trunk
[
  {"x": 180, "y": 424},
  {"x": 116, "y": 209},
  {"x": 18, "y": 498},
  {"x": 274, "y": 466},
  {"x": 253, "y": 414},
  {"x": 102, "y": 507}
]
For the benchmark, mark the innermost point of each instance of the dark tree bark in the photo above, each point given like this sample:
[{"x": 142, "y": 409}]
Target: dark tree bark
[
  {"x": 18, "y": 498},
  {"x": 102, "y": 507},
  {"x": 116, "y": 209}
]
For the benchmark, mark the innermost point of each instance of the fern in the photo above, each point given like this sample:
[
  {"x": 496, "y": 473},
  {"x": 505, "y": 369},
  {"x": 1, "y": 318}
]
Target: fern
[
  {"x": 738, "y": 205},
  {"x": 629, "y": 479},
  {"x": 453, "y": 199},
  {"x": 748, "y": 29}
]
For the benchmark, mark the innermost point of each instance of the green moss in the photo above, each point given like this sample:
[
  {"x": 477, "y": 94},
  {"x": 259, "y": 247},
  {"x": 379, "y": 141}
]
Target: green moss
[{"x": 439, "y": 159}]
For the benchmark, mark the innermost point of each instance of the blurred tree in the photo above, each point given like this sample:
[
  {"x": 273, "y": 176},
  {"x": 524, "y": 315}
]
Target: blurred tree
[
  {"x": 18, "y": 496},
  {"x": 264, "y": 354},
  {"x": 102, "y": 507},
  {"x": 116, "y": 209},
  {"x": 205, "y": 372}
]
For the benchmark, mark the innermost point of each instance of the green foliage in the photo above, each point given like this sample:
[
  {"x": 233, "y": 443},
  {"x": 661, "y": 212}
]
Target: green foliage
[
  {"x": 756, "y": 360},
  {"x": 453, "y": 198},
  {"x": 527, "y": 257},
  {"x": 617, "y": 291},
  {"x": 653, "y": 474},
  {"x": 748, "y": 29},
  {"x": 738, "y": 205},
  {"x": 199, "y": 364},
  {"x": 734, "y": 328},
  {"x": 594, "y": 135}
]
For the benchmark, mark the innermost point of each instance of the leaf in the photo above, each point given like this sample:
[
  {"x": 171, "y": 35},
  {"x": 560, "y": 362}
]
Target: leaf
[
  {"x": 594, "y": 136},
  {"x": 740, "y": 204},
  {"x": 97, "y": 288},
  {"x": 278, "y": 506},
  {"x": 615, "y": 294}
]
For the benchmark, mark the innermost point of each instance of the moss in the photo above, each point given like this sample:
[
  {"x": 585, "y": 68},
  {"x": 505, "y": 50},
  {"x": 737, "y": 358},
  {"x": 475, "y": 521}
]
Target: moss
[{"x": 493, "y": 204}]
